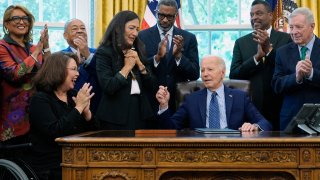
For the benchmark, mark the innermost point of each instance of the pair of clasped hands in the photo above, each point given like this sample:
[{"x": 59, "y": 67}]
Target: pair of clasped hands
[
  {"x": 82, "y": 101},
  {"x": 131, "y": 59},
  {"x": 82, "y": 47},
  {"x": 177, "y": 47},
  {"x": 264, "y": 45}
]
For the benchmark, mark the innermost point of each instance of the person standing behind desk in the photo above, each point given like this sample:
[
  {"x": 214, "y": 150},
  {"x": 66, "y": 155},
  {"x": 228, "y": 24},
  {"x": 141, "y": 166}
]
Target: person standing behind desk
[
  {"x": 172, "y": 52},
  {"x": 124, "y": 76},
  {"x": 254, "y": 60},
  {"x": 215, "y": 106},
  {"x": 19, "y": 62},
  {"x": 57, "y": 110},
  {"x": 297, "y": 70},
  {"x": 75, "y": 34}
]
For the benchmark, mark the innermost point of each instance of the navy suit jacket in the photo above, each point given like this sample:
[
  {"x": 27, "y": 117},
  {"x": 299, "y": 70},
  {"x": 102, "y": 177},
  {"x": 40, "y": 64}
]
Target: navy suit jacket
[
  {"x": 88, "y": 73},
  {"x": 192, "y": 113},
  {"x": 167, "y": 73},
  {"x": 284, "y": 81}
]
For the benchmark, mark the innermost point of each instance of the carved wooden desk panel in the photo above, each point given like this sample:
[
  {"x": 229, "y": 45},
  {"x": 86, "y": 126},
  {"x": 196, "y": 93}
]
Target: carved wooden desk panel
[{"x": 190, "y": 155}]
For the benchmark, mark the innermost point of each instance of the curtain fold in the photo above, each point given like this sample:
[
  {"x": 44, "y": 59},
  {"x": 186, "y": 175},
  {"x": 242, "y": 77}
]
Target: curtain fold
[
  {"x": 314, "y": 6},
  {"x": 106, "y": 9}
]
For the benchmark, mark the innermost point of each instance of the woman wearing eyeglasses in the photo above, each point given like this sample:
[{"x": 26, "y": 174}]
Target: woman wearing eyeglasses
[
  {"x": 56, "y": 110},
  {"x": 19, "y": 61}
]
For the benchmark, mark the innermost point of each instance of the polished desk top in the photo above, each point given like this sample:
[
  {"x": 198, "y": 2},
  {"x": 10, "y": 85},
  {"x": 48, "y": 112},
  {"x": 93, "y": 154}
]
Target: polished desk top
[{"x": 188, "y": 138}]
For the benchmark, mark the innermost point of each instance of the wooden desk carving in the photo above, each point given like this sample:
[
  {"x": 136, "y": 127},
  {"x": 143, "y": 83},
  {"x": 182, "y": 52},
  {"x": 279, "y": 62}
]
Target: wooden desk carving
[{"x": 188, "y": 155}]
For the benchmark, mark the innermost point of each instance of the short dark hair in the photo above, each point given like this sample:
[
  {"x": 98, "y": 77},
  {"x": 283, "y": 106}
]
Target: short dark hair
[
  {"x": 265, "y": 3},
  {"x": 53, "y": 71},
  {"x": 171, "y": 3}
]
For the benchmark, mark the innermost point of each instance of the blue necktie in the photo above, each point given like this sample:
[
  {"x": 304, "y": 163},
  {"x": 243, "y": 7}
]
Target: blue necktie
[
  {"x": 214, "y": 114},
  {"x": 168, "y": 43},
  {"x": 303, "y": 50}
]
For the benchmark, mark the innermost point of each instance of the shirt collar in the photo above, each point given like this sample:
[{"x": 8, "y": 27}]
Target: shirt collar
[
  {"x": 9, "y": 40},
  {"x": 219, "y": 91},
  {"x": 170, "y": 32},
  {"x": 309, "y": 45},
  {"x": 269, "y": 30}
]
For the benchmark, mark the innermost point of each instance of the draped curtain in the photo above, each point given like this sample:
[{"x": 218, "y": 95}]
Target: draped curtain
[
  {"x": 314, "y": 6},
  {"x": 106, "y": 9}
]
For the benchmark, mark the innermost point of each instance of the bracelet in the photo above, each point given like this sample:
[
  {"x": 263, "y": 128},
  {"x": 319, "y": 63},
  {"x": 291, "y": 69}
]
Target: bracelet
[
  {"x": 34, "y": 58},
  {"x": 46, "y": 50}
]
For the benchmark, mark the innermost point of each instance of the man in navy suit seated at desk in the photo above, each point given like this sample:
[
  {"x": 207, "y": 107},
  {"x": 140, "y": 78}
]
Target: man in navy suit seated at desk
[{"x": 215, "y": 106}]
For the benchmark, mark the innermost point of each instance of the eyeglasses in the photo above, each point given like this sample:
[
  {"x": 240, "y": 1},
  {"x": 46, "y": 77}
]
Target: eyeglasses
[
  {"x": 17, "y": 19},
  {"x": 73, "y": 68},
  {"x": 169, "y": 17}
]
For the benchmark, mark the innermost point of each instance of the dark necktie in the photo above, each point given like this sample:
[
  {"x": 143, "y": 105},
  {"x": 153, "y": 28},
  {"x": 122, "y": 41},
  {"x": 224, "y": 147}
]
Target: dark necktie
[
  {"x": 303, "y": 50},
  {"x": 214, "y": 114}
]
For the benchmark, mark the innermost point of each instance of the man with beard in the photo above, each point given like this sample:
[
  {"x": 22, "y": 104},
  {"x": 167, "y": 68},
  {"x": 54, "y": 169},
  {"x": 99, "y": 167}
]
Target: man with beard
[
  {"x": 254, "y": 60},
  {"x": 172, "y": 52}
]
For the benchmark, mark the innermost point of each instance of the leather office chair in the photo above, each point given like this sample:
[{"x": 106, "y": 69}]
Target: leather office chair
[{"x": 185, "y": 88}]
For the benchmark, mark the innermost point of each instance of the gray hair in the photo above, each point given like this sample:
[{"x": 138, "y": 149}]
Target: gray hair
[
  {"x": 68, "y": 22},
  {"x": 171, "y": 3},
  {"x": 303, "y": 11}
]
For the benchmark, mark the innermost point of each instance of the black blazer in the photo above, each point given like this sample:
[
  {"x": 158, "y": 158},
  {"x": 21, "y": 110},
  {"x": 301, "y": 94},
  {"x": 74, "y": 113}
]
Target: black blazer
[
  {"x": 167, "y": 72},
  {"x": 114, "y": 106},
  {"x": 260, "y": 76}
]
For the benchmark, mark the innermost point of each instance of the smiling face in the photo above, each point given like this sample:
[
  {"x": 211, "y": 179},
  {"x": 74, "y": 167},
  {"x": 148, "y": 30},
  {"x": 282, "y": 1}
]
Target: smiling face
[
  {"x": 260, "y": 17},
  {"x": 301, "y": 30},
  {"x": 16, "y": 27},
  {"x": 212, "y": 72},
  {"x": 72, "y": 75},
  {"x": 131, "y": 30}
]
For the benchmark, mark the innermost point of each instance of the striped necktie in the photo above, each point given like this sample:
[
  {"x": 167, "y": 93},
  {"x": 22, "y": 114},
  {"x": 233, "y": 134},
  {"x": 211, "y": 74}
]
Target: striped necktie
[{"x": 214, "y": 113}]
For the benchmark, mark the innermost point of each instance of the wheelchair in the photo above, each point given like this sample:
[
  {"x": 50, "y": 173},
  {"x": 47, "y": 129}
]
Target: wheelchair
[{"x": 13, "y": 168}]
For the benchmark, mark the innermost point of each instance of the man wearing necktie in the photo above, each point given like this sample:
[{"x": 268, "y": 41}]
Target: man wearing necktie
[
  {"x": 297, "y": 70},
  {"x": 253, "y": 59},
  {"x": 75, "y": 34},
  {"x": 215, "y": 106},
  {"x": 173, "y": 52}
]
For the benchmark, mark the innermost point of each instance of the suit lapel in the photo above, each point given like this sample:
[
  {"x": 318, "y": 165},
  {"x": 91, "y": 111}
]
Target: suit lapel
[
  {"x": 202, "y": 104},
  {"x": 228, "y": 96},
  {"x": 155, "y": 36},
  {"x": 315, "y": 54}
]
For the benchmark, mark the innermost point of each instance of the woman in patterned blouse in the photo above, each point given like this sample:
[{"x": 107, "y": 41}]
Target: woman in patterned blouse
[{"x": 19, "y": 61}]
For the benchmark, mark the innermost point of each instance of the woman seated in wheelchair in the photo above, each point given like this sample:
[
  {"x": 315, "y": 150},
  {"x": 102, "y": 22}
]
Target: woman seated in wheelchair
[{"x": 56, "y": 110}]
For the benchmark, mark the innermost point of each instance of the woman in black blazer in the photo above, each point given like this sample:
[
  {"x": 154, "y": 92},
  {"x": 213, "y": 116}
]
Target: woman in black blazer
[{"x": 124, "y": 76}]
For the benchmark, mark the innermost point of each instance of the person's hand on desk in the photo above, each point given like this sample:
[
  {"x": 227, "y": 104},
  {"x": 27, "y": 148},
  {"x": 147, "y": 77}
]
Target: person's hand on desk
[
  {"x": 163, "y": 97},
  {"x": 246, "y": 127}
]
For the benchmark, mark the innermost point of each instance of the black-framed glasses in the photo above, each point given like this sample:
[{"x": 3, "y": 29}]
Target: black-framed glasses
[
  {"x": 17, "y": 19},
  {"x": 170, "y": 17},
  {"x": 73, "y": 68}
]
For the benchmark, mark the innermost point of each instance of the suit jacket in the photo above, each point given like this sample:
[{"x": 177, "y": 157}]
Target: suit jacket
[
  {"x": 115, "y": 105},
  {"x": 167, "y": 72},
  {"x": 284, "y": 81},
  {"x": 87, "y": 73},
  {"x": 260, "y": 76},
  {"x": 192, "y": 113}
]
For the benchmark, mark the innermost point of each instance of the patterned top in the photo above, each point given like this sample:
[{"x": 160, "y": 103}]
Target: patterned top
[{"x": 17, "y": 68}]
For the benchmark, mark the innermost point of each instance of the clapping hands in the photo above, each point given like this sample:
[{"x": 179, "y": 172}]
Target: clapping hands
[{"x": 82, "y": 100}]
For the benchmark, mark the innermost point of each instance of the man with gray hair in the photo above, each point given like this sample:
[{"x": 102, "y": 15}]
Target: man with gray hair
[
  {"x": 75, "y": 34},
  {"x": 297, "y": 69},
  {"x": 173, "y": 52}
]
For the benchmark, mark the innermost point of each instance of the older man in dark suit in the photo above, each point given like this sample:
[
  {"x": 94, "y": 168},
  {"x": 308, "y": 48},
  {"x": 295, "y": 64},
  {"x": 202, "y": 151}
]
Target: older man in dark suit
[
  {"x": 215, "y": 106},
  {"x": 172, "y": 52},
  {"x": 297, "y": 70},
  {"x": 253, "y": 60}
]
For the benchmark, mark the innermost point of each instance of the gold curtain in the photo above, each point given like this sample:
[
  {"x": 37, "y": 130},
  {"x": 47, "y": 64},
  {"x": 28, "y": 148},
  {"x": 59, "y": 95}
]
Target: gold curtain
[
  {"x": 106, "y": 9},
  {"x": 314, "y": 6}
]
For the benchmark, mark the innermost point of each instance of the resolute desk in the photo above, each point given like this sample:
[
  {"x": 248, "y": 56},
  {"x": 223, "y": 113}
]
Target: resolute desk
[{"x": 189, "y": 155}]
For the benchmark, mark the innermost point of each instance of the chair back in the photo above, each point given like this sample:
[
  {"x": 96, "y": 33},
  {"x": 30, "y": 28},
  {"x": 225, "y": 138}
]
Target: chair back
[{"x": 185, "y": 88}]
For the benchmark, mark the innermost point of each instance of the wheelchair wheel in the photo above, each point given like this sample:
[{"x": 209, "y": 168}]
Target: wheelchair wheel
[{"x": 11, "y": 171}]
